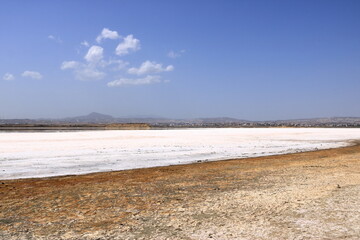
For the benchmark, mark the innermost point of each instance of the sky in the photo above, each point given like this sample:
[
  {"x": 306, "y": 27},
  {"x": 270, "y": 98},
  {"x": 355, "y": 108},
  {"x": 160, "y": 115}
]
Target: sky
[{"x": 254, "y": 60}]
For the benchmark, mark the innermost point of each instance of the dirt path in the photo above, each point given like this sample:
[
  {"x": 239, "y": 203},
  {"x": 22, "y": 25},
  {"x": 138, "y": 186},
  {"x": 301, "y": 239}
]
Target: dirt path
[{"x": 314, "y": 195}]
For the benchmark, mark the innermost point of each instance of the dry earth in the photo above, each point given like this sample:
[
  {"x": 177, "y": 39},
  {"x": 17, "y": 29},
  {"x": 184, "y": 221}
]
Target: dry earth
[{"x": 312, "y": 195}]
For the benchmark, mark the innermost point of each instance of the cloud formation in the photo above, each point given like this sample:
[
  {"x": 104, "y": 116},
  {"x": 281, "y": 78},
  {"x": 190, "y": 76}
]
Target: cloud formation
[
  {"x": 8, "y": 77},
  {"x": 107, "y": 34},
  {"x": 86, "y": 73},
  {"x": 137, "y": 81},
  {"x": 94, "y": 54},
  {"x": 150, "y": 67},
  {"x": 85, "y": 44},
  {"x": 69, "y": 65},
  {"x": 96, "y": 66},
  {"x": 173, "y": 54},
  {"x": 32, "y": 74},
  {"x": 56, "y": 39},
  {"x": 127, "y": 45},
  {"x": 118, "y": 64}
]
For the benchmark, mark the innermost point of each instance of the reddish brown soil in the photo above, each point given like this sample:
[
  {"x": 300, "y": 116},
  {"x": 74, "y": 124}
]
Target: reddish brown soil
[{"x": 275, "y": 197}]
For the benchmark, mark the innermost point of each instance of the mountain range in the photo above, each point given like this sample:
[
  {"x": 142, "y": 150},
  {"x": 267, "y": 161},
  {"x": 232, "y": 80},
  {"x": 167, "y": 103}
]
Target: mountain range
[{"x": 98, "y": 118}]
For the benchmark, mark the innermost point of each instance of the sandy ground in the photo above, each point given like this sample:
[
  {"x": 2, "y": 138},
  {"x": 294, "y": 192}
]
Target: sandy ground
[
  {"x": 44, "y": 154},
  {"x": 312, "y": 195}
]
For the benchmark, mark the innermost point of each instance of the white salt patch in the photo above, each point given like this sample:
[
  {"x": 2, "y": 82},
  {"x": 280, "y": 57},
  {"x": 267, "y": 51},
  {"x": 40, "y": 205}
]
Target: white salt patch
[{"x": 43, "y": 154}]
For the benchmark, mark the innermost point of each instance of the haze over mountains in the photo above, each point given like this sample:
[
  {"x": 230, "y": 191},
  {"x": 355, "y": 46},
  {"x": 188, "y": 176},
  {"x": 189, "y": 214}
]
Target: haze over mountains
[
  {"x": 98, "y": 118},
  {"x": 102, "y": 118}
]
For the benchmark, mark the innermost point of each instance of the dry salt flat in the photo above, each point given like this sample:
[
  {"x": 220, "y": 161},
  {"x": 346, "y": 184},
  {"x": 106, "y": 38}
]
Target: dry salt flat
[{"x": 44, "y": 154}]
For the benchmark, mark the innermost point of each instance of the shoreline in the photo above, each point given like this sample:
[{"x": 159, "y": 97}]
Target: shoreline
[
  {"x": 350, "y": 143},
  {"x": 150, "y": 128},
  {"x": 267, "y": 197},
  {"x": 37, "y": 155}
]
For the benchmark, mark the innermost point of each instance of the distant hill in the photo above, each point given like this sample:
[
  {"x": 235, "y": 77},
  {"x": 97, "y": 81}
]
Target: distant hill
[
  {"x": 98, "y": 118},
  {"x": 93, "y": 117}
]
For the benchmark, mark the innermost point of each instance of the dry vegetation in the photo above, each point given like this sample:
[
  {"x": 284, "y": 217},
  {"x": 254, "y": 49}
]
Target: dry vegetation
[{"x": 313, "y": 195}]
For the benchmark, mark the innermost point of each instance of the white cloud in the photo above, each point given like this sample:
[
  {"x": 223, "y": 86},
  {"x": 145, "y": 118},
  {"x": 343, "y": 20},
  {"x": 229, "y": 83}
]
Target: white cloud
[
  {"x": 85, "y": 44},
  {"x": 32, "y": 74},
  {"x": 56, "y": 39},
  {"x": 8, "y": 77},
  {"x": 128, "y": 44},
  {"x": 95, "y": 54},
  {"x": 137, "y": 81},
  {"x": 83, "y": 71},
  {"x": 173, "y": 54},
  {"x": 89, "y": 70},
  {"x": 69, "y": 65},
  {"x": 96, "y": 65},
  {"x": 117, "y": 64},
  {"x": 150, "y": 67},
  {"x": 86, "y": 73},
  {"x": 107, "y": 33}
]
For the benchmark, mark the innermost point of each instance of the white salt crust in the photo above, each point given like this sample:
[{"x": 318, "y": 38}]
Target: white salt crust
[{"x": 44, "y": 154}]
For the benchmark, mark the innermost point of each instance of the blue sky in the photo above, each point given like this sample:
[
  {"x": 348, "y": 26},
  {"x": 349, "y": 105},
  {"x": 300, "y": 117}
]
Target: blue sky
[{"x": 256, "y": 60}]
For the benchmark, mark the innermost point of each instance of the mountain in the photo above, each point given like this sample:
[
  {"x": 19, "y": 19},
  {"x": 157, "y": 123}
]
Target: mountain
[
  {"x": 93, "y": 117},
  {"x": 98, "y": 118}
]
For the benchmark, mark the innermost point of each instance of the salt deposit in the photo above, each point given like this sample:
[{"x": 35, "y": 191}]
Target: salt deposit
[{"x": 43, "y": 154}]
